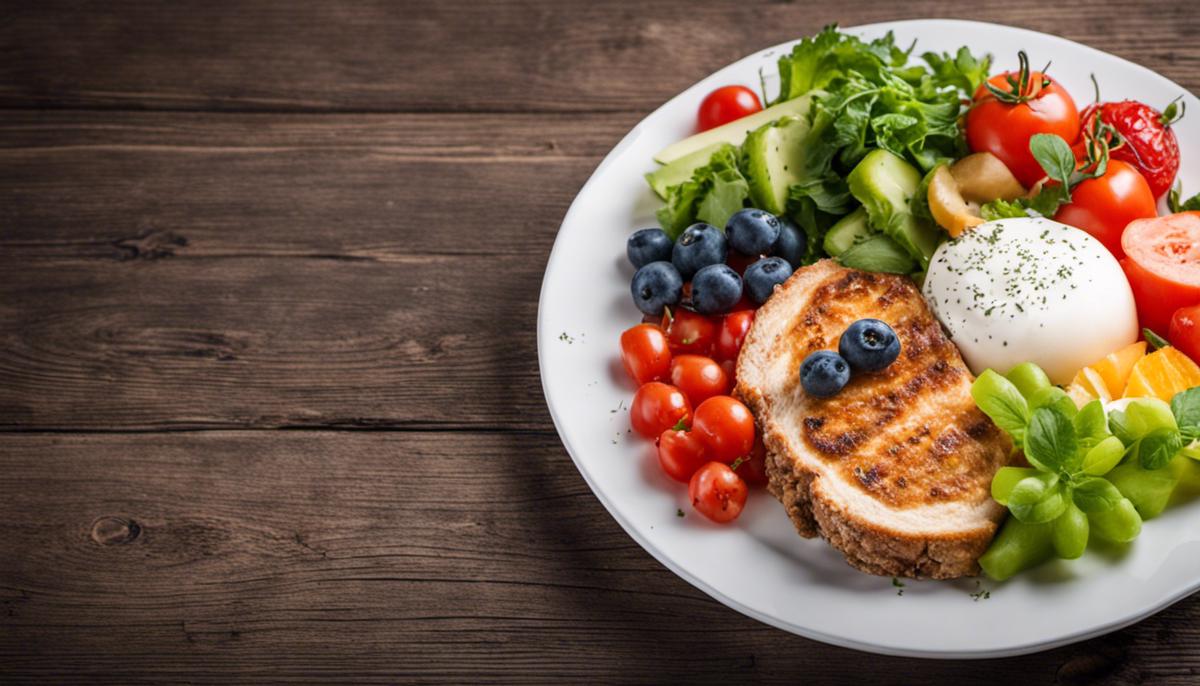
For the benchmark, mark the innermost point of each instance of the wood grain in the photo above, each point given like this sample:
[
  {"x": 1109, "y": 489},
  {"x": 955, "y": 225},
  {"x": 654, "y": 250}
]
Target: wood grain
[
  {"x": 459, "y": 56},
  {"x": 383, "y": 557}
]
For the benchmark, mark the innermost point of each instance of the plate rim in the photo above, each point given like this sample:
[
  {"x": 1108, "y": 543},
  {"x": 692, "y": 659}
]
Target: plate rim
[{"x": 544, "y": 337}]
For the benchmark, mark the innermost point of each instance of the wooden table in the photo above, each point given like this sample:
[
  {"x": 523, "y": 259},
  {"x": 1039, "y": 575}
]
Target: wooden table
[{"x": 268, "y": 384}]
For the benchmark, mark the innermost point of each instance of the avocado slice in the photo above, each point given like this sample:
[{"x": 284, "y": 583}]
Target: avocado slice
[
  {"x": 735, "y": 131},
  {"x": 885, "y": 184},
  {"x": 878, "y": 253},
  {"x": 681, "y": 169},
  {"x": 775, "y": 161}
]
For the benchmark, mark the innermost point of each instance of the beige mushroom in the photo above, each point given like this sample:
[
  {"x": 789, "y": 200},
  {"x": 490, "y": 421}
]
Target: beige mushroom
[{"x": 957, "y": 192}]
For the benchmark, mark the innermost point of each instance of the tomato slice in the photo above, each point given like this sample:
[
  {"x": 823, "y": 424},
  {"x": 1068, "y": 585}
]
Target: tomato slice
[{"x": 1163, "y": 266}]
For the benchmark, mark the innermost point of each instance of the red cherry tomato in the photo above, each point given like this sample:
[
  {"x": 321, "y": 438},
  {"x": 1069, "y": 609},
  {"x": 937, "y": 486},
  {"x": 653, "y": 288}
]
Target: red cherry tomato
[
  {"x": 700, "y": 378},
  {"x": 680, "y": 453},
  {"x": 1185, "y": 331},
  {"x": 717, "y": 492},
  {"x": 753, "y": 469},
  {"x": 732, "y": 334},
  {"x": 1148, "y": 143},
  {"x": 726, "y": 104},
  {"x": 1104, "y": 206},
  {"x": 726, "y": 427},
  {"x": 689, "y": 332},
  {"x": 1163, "y": 266},
  {"x": 1003, "y": 126},
  {"x": 739, "y": 262},
  {"x": 645, "y": 353},
  {"x": 657, "y": 407}
]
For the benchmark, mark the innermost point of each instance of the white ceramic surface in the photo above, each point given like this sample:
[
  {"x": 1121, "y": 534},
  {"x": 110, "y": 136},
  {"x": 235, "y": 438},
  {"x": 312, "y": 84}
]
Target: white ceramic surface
[{"x": 759, "y": 566}]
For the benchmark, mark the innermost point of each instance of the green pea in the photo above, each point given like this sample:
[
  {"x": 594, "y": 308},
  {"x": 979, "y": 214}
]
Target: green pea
[
  {"x": 1018, "y": 546},
  {"x": 1121, "y": 524},
  {"x": 1147, "y": 414},
  {"x": 1103, "y": 456},
  {"x": 1038, "y": 499},
  {"x": 1028, "y": 378},
  {"x": 1148, "y": 489},
  {"x": 1070, "y": 534},
  {"x": 1006, "y": 478}
]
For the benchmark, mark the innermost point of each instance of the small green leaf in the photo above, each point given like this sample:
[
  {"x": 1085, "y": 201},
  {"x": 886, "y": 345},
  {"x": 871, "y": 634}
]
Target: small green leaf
[
  {"x": 1055, "y": 156},
  {"x": 1051, "y": 443},
  {"x": 1091, "y": 426},
  {"x": 1158, "y": 447},
  {"x": 1186, "y": 408},
  {"x": 1006, "y": 479},
  {"x": 1119, "y": 424},
  {"x": 1103, "y": 456},
  {"x": 1003, "y": 403},
  {"x": 1094, "y": 494},
  {"x": 1053, "y": 396},
  {"x": 1035, "y": 501},
  {"x": 1157, "y": 342}
]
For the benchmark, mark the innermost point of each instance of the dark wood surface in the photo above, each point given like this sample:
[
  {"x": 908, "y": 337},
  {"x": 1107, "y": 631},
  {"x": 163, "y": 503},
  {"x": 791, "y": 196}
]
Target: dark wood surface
[{"x": 269, "y": 398}]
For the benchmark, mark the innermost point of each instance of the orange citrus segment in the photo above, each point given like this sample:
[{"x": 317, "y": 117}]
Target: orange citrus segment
[
  {"x": 1115, "y": 368},
  {"x": 1079, "y": 394},
  {"x": 1092, "y": 383},
  {"x": 1162, "y": 374}
]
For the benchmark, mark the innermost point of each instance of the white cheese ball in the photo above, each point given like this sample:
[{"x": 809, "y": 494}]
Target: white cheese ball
[{"x": 1031, "y": 290}]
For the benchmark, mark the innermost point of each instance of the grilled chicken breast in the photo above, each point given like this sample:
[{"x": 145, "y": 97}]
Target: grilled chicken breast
[{"x": 895, "y": 470}]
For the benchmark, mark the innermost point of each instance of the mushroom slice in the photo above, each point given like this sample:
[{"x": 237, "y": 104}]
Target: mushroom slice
[
  {"x": 947, "y": 205},
  {"x": 982, "y": 177}
]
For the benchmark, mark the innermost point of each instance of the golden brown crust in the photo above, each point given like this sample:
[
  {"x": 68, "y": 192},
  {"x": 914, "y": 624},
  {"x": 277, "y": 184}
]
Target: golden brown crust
[{"x": 894, "y": 470}]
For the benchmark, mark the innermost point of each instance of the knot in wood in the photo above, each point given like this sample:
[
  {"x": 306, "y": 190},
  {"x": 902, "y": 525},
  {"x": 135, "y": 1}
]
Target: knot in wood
[{"x": 115, "y": 531}]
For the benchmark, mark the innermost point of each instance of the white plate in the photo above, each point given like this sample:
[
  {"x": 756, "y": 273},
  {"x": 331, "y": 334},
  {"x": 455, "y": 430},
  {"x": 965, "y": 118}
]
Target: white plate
[{"x": 759, "y": 566}]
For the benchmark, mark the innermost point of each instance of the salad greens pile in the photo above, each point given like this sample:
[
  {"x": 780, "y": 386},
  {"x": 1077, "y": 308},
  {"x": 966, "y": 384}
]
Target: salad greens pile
[
  {"x": 865, "y": 96},
  {"x": 1091, "y": 473}
]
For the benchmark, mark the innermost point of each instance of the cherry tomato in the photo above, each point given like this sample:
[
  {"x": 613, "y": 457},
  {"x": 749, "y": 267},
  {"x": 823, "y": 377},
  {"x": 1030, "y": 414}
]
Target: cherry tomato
[
  {"x": 739, "y": 262},
  {"x": 1163, "y": 266},
  {"x": 726, "y": 104},
  {"x": 1004, "y": 125},
  {"x": 753, "y": 469},
  {"x": 1185, "y": 331},
  {"x": 1104, "y": 206},
  {"x": 680, "y": 453},
  {"x": 732, "y": 334},
  {"x": 1148, "y": 143},
  {"x": 657, "y": 407},
  {"x": 726, "y": 427},
  {"x": 700, "y": 378},
  {"x": 717, "y": 492},
  {"x": 645, "y": 353},
  {"x": 689, "y": 332}
]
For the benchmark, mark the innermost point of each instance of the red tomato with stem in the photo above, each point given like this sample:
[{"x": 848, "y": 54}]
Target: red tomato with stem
[
  {"x": 1010, "y": 108},
  {"x": 726, "y": 104},
  {"x": 680, "y": 454},
  {"x": 1104, "y": 206},
  {"x": 732, "y": 334},
  {"x": 753, "y": 467},
  {"x": 657, "y": 407},
  {"x": 717, "y": 492},
  {"x": 1146, "y": 139},
  {"x": 645, "y": 353},
  {"x": 700, "y": 378},
  {"x": 689, "y": 332},
  {"x": 1163, "y": 265},
  {"x": 1185, "y": 331},
  {"x": 726, "y": 426}
]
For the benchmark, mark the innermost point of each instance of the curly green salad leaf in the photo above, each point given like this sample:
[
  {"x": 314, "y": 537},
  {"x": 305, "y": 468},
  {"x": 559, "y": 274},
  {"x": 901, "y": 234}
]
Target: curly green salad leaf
[
  {"x": 865, "y": 96},
  {"x": 1090, "y": 473}
]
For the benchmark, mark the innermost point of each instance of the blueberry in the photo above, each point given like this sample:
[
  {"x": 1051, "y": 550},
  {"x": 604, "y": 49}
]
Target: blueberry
[
  {"x": 649, "y": 245},
  {"x": 699, "y": 246},
  {"x": 869, "y": 345},
  {"x": 715, "y": 289},
  {"x": 762, "y": 277},
  {"x": 752, "y": 232},
  {"x": 824, "y": 374},
  {"x": 655, "y": 286},
  {"x": 791, "y": 245}
]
